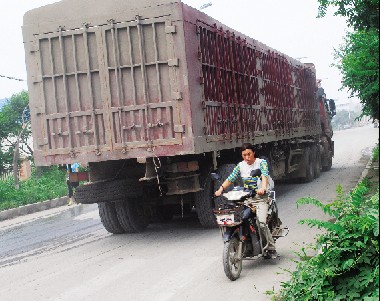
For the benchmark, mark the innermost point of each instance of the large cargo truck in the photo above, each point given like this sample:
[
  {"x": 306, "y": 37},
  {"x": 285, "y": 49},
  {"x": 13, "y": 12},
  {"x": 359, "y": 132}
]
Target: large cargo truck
[{"x": 152, "y": 96}]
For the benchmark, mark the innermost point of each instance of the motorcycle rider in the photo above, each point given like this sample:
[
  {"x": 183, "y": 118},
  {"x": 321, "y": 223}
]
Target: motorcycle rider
[{"x": 243, "y": 170}]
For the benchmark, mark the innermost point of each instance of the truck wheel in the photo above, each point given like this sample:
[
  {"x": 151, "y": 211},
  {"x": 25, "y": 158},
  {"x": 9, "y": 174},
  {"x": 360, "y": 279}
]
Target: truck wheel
[
  {"x": 131, "y": 215},
  {"x": 108, "y": 216},
  {"x": 106, "y": 191},
  {"x": 224, "y": 171},
  {"x": 316, "y": 161},
  {"x": 204, "y": 204},
  {"x": 328, "y": 162},
  {"x": 309, "y": 166}
]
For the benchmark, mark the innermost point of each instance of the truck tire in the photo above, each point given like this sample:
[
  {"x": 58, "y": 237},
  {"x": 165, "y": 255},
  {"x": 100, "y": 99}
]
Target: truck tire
[
  {"x": 106, "y": 191},
  {"x": 131, "y": 216},
  {"x": 316, "y": 161},
  {"x": 108, "y": 216},
  {"x": 328, "y": 162},
  {"x": 224, "y": 171},
  {"x": 309, "y": 166},
  {"x": 204, "y": 201}
]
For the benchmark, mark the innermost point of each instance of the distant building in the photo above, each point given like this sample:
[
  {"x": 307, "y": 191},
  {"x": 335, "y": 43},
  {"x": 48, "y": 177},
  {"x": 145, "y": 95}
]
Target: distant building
[
  {"x": 348, "y": 105},
  {"x": 25, "y": 170}
]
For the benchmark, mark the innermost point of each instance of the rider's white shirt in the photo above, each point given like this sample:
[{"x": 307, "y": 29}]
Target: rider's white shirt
[
  {"x": 245, "y": 168},
  {"x": 245, "y": 172}
]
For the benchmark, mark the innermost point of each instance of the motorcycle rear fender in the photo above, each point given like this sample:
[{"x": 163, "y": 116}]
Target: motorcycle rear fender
[{"x": 230, "y": 233}]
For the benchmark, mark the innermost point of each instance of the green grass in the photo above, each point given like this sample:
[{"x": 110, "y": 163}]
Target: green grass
[
  {"x": 347, "y": 269},
  {"x": 50, "y": 185},
  {"x": 375, "y": 155}
]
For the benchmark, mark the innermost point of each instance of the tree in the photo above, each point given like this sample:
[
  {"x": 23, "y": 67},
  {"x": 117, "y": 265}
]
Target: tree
[
  {"x": 14, "y": 130},
  {"x": 6, "y": 159},
  {"x": 361, "y": 14},
  {"x": 358, "y": 57},
  {"x": 359, "y": 65}
]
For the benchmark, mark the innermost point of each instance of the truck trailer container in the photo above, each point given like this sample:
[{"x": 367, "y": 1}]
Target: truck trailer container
[{"x": 152, "y": 96}]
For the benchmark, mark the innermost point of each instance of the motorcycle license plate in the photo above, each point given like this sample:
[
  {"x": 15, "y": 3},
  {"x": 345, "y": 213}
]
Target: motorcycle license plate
[{"x": 225, "y": 219}]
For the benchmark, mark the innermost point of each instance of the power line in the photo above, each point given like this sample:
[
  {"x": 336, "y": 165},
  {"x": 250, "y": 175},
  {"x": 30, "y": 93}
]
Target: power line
[{"x": 14, "y": 78}]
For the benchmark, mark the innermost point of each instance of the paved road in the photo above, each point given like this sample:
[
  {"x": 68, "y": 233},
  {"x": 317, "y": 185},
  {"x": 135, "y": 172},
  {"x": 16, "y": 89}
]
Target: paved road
[{"x": 65, "y": 254}]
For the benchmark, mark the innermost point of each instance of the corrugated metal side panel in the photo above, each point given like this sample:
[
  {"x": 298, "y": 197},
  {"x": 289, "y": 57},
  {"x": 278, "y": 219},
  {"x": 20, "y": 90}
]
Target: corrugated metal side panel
[{"x": 252, "y": 91}]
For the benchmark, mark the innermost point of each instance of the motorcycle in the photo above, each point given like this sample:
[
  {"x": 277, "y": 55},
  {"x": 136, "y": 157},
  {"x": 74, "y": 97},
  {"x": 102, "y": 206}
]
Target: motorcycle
[{"x": 241, "y": 232}]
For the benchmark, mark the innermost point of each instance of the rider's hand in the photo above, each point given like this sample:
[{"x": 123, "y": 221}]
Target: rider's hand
[
  {"x": 261, "y": 191},
  {"x": 219, "y": 191}
]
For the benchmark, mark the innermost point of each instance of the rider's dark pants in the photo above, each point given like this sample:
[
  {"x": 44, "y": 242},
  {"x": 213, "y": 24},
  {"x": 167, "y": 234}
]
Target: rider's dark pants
[{"x": 247, "y": 213}]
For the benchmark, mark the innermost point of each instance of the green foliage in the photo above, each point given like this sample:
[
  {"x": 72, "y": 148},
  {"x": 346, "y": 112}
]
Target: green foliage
[
  {"x": 361, "y": 14},
  {"x": 358, "y": 57},
  {"x": 359, "y": 64},
  {"x": 11, "y": 114},
  {"x": 6, "y": 160},
  {"x": 50, "y": 185},
  {"x": 10, "y": 127},
  {"x": 347, "y": 266},
  {"x": 375, "y": 154}
]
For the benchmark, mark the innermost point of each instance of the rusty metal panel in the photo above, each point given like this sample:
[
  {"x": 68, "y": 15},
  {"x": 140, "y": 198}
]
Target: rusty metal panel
[
  {"x": 119, "y": 79},
  {"x": 73, "y": 112},
  {"x": 138, "y": 64},
  {"x": 251, "y": 90},
  {"x": 100, "y": 91}
]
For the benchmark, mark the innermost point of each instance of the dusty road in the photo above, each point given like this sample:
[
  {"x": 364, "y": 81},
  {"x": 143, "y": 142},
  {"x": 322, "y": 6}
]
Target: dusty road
[{"x": 65, "y": 253}]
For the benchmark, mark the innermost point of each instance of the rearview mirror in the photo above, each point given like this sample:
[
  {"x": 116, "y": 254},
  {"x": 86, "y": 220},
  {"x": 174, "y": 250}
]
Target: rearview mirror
[
  {"x": 332, "y": 107},
  {"x": 214, "y": 176}
]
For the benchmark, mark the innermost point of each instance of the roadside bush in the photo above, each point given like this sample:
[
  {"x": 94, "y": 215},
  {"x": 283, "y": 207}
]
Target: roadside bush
[
  {"x": 50, "y": 185},
  {"x": 347, "y": 264},
  {"x": 375, "y": 155}
]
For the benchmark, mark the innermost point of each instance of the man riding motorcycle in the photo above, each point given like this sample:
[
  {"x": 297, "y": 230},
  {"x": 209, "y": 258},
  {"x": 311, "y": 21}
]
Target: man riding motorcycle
[{"x": 250, "y": 180}]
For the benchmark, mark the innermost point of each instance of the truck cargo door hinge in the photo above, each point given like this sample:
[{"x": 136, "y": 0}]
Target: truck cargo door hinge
[
  {"x": 37, "y": 79},
  {"x": 173, "y": 62},
  {"x": 179, "y": 128},
  {"x": 39, "y": 110},
  {"x": 33, "y": 47},
  {"x": 177, "y": 95},
  {"x": 42, "y": 141},
  {"x": 170, "y": 29}
]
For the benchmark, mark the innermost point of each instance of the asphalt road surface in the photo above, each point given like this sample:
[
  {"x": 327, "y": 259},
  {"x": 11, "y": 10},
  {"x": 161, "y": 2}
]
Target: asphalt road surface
[{"x": 66, "y": 254}]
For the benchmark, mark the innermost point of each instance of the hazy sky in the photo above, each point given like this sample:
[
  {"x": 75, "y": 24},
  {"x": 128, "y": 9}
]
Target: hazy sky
[{"x": 290, "y": 26}]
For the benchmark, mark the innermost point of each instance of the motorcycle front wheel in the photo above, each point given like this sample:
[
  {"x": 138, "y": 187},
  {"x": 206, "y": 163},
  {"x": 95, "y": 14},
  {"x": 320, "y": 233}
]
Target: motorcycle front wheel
[{"x": 231, "y": 262}]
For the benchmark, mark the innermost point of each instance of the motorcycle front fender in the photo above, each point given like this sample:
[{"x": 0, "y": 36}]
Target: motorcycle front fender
[{"x": 230, "y": 232}]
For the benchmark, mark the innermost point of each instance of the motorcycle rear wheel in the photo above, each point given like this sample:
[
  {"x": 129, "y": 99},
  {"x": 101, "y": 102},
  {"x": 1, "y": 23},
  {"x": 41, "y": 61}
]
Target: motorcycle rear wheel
[{"x": 232, "y": 265}]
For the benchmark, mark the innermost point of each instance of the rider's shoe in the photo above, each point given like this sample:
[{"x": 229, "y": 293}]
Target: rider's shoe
[
  {"x": 272, "y": 254},
  {"x": 71, "y": 202}
]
